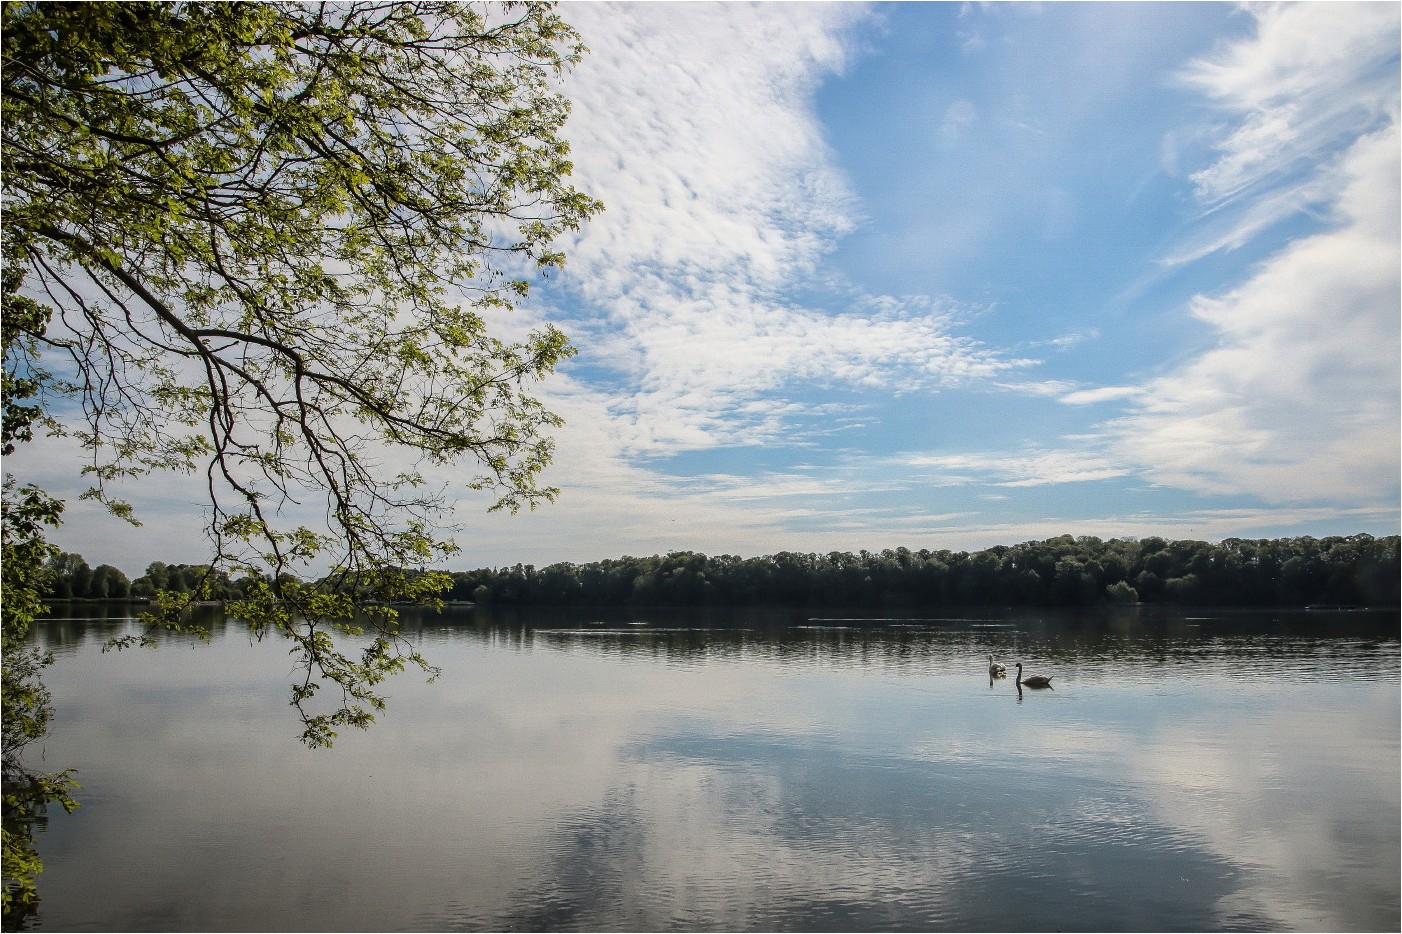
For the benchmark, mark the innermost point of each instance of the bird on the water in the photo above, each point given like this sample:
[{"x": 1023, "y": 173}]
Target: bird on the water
[
  {"x": 996, "y": 669},
  {"x": 1033, "y": 681}
]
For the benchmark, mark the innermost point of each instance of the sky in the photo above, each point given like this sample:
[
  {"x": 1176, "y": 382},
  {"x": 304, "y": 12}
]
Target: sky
[{"x": 952, "y": 276}]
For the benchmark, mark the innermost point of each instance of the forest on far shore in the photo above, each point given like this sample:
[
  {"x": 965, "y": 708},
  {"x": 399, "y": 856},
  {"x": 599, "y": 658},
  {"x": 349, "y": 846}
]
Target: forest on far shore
[{"x": 1353, "y": 570}]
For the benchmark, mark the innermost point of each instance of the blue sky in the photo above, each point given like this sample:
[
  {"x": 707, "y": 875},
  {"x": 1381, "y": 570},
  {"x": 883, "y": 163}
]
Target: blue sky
[{"x": 949, "y": 276}]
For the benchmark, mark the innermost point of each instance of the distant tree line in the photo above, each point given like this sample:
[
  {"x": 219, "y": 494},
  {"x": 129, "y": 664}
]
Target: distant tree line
[
  {"x": 70, "y": 578},
  {"x": 1063, "y": 571},
  {"x": 1354, "y": 570}
]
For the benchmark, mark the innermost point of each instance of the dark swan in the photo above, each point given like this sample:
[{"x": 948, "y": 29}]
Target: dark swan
[{"x": 1033, "y": 681}]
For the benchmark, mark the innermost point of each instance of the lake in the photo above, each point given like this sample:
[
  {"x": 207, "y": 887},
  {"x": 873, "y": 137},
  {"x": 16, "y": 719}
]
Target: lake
[{"x": 660, "y": 770}]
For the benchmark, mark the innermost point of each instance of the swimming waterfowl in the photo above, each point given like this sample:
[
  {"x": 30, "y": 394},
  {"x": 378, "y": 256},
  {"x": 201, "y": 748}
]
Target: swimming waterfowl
[
  {"x": 1033, "y": 681},
  {"x": 996, "y": 669}
]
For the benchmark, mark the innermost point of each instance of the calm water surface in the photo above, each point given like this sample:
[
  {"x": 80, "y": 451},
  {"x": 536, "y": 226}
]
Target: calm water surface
[{"x": 651, "y": 770}]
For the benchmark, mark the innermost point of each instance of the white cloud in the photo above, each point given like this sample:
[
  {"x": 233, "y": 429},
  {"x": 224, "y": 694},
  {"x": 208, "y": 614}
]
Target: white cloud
[
  {"x": 1312, "y": 75},
  {"x": 1299, "y": 399},
  {"x": 1101, "y": 394},
  {"x": 694, "y": 124},
  {"x": 1007, "y": 469}
]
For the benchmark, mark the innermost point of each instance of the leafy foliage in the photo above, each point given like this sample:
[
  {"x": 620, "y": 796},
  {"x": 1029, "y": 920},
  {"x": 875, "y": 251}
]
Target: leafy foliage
[
  {"x": 273, "y": 244},
  {"x": 268, "y": 239},
  {"x": 25, "y": 703}
]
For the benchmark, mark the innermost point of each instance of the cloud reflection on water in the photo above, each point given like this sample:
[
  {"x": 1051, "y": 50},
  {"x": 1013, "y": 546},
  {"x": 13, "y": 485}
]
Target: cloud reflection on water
[
  {"x": 762, "y": 779},
  {"x": 784, "y": 831}
]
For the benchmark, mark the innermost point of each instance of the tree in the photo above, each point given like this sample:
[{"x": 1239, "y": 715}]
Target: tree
[
  {"x": 108, "y": 581},
  {"x": 1121, "y": 593},
  {"x": 25, "y": 703},
  {"x": 69, "y": 576},
  {"x": 271, "y": 244}
]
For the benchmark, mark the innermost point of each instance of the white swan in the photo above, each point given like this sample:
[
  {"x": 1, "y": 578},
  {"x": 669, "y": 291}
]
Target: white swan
[
  {"x": 996, "y": 669},
  {"x": 1033, "y": 681}
]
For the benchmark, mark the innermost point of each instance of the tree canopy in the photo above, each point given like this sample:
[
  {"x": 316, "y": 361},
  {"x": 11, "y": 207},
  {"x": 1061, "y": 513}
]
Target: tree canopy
[{"x": 270, "y": 244}]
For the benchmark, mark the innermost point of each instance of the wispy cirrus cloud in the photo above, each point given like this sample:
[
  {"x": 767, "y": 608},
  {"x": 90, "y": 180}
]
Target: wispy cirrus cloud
[
  {"x": 1312, "y": 75},
  {"x": 1298, "y": 400},
  {"x": 1101, "y": 394},
  {"x": 1018, "y": 469}
]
